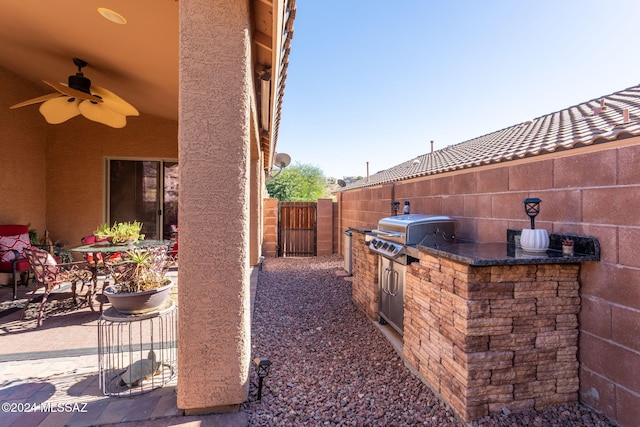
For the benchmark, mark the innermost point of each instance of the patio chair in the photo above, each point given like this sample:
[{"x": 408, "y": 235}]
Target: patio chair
[
  {"x": 50, "y": 274},
  {"x": 172, "y": 253},
  {"x": 14, "y": 239}
]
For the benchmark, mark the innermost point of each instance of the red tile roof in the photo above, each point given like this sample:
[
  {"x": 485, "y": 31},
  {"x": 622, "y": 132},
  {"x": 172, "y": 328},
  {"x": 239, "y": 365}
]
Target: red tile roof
[{"x": 594, "y": 122}]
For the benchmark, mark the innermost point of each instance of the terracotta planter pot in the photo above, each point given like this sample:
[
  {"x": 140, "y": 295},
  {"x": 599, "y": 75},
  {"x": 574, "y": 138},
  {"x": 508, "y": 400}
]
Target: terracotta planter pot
[{"x": 138, "y": 302}]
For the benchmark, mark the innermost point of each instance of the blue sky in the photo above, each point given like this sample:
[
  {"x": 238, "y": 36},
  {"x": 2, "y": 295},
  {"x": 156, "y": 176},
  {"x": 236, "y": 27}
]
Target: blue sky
[{"x": 375, "y": 81}]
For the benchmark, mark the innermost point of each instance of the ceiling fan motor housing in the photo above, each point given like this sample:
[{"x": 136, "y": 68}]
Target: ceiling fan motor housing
[{"x": 80, "y": 82}]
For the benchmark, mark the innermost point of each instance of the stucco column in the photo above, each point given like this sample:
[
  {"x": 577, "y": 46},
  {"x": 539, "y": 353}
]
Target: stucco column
[{"x": 214, "y": 150}]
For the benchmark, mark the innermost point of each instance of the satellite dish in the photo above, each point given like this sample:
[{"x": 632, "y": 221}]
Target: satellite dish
[
  {"x": 341, "y": 183},
  {"x": 282, "y": 160}
]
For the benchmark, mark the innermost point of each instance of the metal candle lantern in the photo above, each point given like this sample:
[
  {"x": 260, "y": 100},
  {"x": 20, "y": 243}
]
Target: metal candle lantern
[
  {"x": 532, "y": 208},
  {"x": 533, "y": 240},
  {"x": 262, "y": 369}
]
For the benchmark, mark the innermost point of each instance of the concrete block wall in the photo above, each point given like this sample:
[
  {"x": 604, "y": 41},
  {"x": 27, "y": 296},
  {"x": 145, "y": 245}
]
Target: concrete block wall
[
  {"x": 325, "y": 230},
  {"x": 338, "y": 234},
  {"x": 270, "y": 228},
  {"x": 590, "y": 191},
  {"x": 324, "y": 227}
]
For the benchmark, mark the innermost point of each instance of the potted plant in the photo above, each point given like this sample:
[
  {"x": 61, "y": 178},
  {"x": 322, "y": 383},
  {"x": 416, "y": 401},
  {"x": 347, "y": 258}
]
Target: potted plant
[
  {"x": 120, "y": 233},
  {"x": 567, "y": 246},
  {"x": 140, "y": 284}
]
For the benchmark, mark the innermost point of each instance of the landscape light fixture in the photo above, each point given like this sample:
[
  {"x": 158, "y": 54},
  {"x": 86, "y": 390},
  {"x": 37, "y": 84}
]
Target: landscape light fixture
[
  {"x": 394, "y": 207},
  {"x": 262, "y": 369},
  {"x": 532, "y": 208}
]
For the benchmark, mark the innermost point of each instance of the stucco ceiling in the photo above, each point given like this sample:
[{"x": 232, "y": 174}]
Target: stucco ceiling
[{"x": 138, "y": 60}]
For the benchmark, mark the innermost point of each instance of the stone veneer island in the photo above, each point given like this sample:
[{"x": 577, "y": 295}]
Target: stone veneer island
[{"x": 486, "y": 326}]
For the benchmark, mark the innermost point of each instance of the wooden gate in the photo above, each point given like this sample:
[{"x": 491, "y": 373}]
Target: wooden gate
[{"x": 296, "y": 229}]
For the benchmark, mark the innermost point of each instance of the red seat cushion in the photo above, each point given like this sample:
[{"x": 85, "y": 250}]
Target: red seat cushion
[{"x": 21, "y": 265}]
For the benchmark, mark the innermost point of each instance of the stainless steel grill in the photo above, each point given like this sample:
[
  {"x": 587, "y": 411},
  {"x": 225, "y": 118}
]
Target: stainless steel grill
[
  {"x": 396, "y": 241},
  {"x": 396, "y": 235}
]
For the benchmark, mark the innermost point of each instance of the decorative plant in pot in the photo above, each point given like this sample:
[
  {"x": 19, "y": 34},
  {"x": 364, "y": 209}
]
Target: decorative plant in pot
[
  {"x": 120, "y": 233},
  {"x": 567, "y": 246},
  {"x": 140, "y": 284}
]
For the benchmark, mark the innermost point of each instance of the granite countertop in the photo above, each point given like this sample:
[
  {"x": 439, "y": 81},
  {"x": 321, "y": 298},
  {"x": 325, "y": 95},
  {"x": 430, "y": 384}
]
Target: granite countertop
[
  {"x": 483, "y": 254},
  {"x": 359, "y": 230}
]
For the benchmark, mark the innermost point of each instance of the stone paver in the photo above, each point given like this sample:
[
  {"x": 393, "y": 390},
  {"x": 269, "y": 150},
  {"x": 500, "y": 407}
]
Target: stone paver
[{"x": 54, "y": 368}]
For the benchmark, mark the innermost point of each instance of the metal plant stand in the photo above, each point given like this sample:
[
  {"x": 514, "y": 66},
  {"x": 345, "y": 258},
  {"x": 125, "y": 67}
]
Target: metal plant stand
[{"x": 137, "y": 353}]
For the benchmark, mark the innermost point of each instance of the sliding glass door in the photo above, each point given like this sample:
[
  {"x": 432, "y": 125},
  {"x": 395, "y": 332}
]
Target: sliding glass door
[
  {"x": 145, "y": 191},
  {"x": 169, "y": 198}
]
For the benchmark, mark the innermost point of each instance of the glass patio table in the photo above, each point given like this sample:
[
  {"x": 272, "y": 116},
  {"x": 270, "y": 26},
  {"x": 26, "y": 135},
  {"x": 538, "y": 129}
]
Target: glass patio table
[{"x": 95, "y": 297}]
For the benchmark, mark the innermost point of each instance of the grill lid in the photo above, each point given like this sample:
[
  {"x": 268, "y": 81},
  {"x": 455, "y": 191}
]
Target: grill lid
[{"x": 410, "y": 229}]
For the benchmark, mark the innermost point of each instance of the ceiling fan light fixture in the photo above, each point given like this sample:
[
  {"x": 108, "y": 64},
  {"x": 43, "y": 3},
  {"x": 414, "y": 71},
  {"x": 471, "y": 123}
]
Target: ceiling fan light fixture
[{"x": 112, "y": 15}]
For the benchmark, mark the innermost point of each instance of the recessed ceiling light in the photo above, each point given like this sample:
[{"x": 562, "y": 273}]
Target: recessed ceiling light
[{"x": 112, "y": 15}]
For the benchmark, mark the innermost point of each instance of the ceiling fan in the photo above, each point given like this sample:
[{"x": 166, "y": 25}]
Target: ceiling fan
[{"x": 79, "y": 96}]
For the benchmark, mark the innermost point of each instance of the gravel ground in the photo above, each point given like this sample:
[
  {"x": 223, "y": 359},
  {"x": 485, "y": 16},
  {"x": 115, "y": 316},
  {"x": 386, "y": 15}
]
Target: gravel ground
[{"x": 332, "y": 366}]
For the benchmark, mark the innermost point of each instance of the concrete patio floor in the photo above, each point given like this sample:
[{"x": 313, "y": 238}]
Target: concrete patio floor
[{"x": 54, "y": 369}]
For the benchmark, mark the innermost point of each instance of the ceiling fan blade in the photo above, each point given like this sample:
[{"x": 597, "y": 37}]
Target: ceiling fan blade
[
  {"x": 114, "y": 102},
  {"x": 63, "y": 88},
  {"x": 102, "y": 114},
  {"x": 36, "y": 100},
  {"x": 60, "y": 109}
]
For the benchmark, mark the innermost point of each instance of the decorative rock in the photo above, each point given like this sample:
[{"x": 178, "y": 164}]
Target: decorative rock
[{"x": 354, "y": 371}]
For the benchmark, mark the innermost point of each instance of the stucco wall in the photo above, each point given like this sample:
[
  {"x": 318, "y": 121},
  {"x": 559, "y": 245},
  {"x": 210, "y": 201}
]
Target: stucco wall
[
  {"x": 592, "y": 191},
  {"x": 76, "y": 152},
  {"x": 23, "y": 166}
]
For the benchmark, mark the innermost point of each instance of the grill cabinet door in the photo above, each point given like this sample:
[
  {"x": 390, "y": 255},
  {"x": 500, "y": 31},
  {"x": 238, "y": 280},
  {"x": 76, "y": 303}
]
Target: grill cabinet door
[{"x": 391, "y": 281}]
